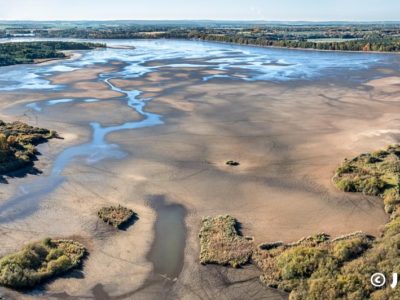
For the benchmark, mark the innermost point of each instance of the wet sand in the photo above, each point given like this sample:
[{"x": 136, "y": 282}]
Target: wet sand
[{"x": 288, "y": 137}]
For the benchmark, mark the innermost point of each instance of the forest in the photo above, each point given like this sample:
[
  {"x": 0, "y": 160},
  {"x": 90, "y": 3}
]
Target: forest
[
  {"x": 30, "y": 52},
  {"x": 323, "y": 36}
]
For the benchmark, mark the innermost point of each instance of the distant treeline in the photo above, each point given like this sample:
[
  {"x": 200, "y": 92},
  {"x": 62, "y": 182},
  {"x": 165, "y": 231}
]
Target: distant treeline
[
  {"x": 28, "y": 52},
  {"x": 352, "y": 37},
  {"x": 377, "y": 44},
  {"x": 361, "y": 39}
]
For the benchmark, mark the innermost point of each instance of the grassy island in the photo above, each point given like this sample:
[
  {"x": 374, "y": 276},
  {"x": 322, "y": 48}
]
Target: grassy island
[
  {"x": 31, "y": 52},
  {"x": 221, "y": 243},
  {"x": 318, "y": 267},
  {"x": 17, "y": 145},
  {"x": 39, "y": 261},
  {"x": 117, "y": 216}
]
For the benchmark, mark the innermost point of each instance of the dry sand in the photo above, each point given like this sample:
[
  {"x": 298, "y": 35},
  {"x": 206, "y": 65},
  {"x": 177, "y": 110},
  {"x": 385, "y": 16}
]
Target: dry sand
[{"x": 288, "y": 137}]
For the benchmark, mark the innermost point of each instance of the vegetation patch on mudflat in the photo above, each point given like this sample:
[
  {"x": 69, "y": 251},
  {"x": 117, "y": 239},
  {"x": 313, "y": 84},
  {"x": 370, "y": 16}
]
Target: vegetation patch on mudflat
[
  {"x": 117, "y": 216},
  {"x": 29, "y": 52},
  {"x": 17, "y": 145},
  {"x": 318, "y": 267},
  {"x": 374, "y": 174},
  {"x": 315, "y": 267},
  {"x": 39, "y": 261},
  {"x": 221, "y": 243}
]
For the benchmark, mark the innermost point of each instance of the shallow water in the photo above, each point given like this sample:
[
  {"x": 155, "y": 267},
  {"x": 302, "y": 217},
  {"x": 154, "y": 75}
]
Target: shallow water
[
  {"x": 237, "y": 62},
  {"x": 90, "y": 153},
  {"x": 170, "y": 234},
  {"x": 249, "y": 63},
  {"x": 234, "y": 62}
]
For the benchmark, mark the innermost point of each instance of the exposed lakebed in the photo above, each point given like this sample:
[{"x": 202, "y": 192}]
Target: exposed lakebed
[{"x": 217, "y": 63}]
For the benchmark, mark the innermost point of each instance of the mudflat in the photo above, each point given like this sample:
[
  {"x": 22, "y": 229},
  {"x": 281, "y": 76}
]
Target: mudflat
[{"x": 288, "y": 136}]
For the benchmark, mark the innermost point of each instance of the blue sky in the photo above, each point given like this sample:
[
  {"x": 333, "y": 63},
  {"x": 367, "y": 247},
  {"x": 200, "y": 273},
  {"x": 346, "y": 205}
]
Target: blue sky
[{"x": 286, "y": 10}]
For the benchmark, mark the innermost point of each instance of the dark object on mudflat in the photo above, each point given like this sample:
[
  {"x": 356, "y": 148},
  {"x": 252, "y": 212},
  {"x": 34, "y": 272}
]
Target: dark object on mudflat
[
  {"x": 17, "y": 145},
  {"x": 37, "y": 262},
  {"x": 117, "y": 216},
  {"x": 233, "y": 163}
]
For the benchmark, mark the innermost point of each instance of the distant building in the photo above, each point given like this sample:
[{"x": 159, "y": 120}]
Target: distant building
[{"x": 19, "y": 33}]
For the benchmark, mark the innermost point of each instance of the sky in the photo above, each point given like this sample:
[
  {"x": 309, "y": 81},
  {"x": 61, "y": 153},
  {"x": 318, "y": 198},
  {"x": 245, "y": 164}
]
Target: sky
[{"x": 267, "y": 10}]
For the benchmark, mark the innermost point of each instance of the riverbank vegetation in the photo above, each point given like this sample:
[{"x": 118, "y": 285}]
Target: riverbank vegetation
[
  {"x": 30, "y": 52},
  {"x": 117, "y": 216},
  {"x": 374, "y": 174},
  {"x": 323, "y": 36},
  {"x": 40, "y": 261},
  {"x": 318, "y": 267},
  {"x": 17, "y": 145}
]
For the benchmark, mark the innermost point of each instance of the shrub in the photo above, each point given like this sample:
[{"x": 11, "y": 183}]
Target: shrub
[
  {"x": 39, "y": 261},
  {"x": 376, "y": 174},
  {"x": 117, "y": 216},
  {"x": 350, "y": 249},
  {"x": 346, "y": 185},
  {"x": 17, "y": 144},
  {"x": 372, "y": 186},
  {"x": 300, "y": 262}
]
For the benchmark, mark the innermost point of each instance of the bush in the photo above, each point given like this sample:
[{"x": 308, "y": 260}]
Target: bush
[
  {"x": 300, "y": 262},
  {"x": 17, "y": 145},
  {"x": 39, "y": 261},
  {"x": 376, "y": 174},
  {"x": 117, "y": 216},
  {"x": 350, "y": 249},
  {"x": 372, "y": 186},
  {"x": 346, "y": 185}
]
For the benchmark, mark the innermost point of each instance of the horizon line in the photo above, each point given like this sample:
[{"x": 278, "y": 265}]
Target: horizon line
[{"x": 198, "y": 20}]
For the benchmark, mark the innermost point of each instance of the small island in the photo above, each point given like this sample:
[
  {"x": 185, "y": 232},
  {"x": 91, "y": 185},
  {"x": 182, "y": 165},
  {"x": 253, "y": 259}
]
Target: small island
[
  {"x": 31, "y": 52},
  {"x": 17, "y": 145},
  {"x": 117, "y": 216},
  {"x": 39, "y": 261}
]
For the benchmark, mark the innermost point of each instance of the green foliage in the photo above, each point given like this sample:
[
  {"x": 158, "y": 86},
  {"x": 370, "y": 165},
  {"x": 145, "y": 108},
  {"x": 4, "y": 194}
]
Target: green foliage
[
  {"x": 39, "y": 261},
  {"x": 315, "y": 267},
  {"x": 28, "y": 52},
  {"x": 300, "y": 262},
  {"x": 376, "y": 174},
  {"x": 345, "y": 37},
  {"x": 344, "y": 269},
  {"x": 346, "y": 185},
  {"x": 347, "y": 250},
  {"x": 17, "y": 144}
]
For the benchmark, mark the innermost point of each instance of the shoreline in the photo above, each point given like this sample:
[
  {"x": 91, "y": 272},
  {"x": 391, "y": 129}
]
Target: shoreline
[
  {"x": 291, "y": 48},
  {"x": 217, "y": 42}
]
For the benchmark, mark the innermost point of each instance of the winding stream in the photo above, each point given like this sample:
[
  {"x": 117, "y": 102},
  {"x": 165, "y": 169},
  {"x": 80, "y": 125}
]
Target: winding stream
[
  {"x": 230, "y": 62},
  {"x": 95, "y": 150}
]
